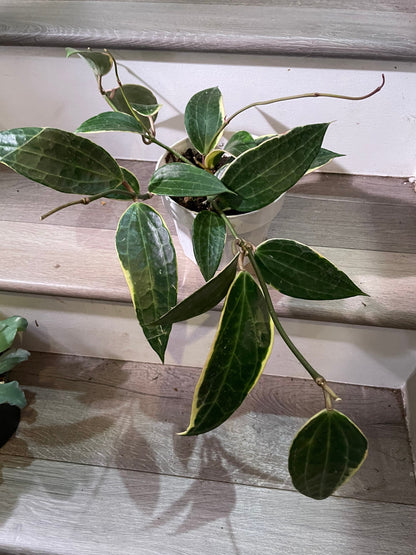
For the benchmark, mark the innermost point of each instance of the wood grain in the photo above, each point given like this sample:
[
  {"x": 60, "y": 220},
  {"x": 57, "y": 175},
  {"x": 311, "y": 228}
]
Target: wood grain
[
  {"x": 363, "y": 224},
  {"x": 373, "y": 30},
  {"x": 126, "y": 415},
  {"x": 70, "y": 509},
  {"x": 330, "y": 210}
]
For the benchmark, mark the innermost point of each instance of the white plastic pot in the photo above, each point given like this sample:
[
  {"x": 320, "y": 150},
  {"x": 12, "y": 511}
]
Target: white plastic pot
[{"x": 252, "y": 226}]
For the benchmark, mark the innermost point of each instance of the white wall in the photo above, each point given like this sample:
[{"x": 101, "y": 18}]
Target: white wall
[{"x": 41, "y": 88}]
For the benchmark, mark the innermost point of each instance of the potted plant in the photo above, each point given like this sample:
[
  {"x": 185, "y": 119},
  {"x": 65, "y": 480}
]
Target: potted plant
[
  {"x": 12, "y": 398},
  {"x": 217, "y": 180}
]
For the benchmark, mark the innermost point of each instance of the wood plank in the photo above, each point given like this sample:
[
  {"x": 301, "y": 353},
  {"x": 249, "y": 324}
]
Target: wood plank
[
  {"x": 126, "y": 415},
  {"x": 69, "y": 261},
  {"x": 376, "y": 213},
  {"x": 377, "y": 32},
  {"x": 69, "y": 509}
]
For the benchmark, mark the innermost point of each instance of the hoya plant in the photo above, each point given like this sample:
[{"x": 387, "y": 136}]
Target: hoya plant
[
  {"x": 220, "y": 177},
  {"x": 12, "y": 398}
]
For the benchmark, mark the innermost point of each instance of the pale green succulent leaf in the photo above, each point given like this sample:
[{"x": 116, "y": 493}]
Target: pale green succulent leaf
[
  {"x": 8, "y": 330},
  {"x": 12, "y": 394}
]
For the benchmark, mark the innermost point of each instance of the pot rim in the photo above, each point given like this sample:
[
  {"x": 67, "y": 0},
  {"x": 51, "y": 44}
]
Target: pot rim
[{"x": 161, "y": 162}]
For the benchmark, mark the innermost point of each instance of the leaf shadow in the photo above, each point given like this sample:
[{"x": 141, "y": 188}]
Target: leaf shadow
[{"x": 198, "y": 505}]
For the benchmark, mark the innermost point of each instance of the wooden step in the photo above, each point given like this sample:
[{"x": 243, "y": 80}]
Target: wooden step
[
  {"x": 97, "y": 465},
  {"x": 365, "y": 225},
  {"x": 374, "y": 29}
]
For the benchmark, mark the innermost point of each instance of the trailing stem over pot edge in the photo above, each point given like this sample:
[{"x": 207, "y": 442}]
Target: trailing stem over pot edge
[{"x": 244, "y": 175}]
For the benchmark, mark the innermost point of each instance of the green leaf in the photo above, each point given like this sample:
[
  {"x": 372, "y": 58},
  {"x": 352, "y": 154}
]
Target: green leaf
[
  {"x": 208, "y": 239},
  {"x": 135, "y": 94},
  {"x": 213, "y": 158},
  {"x": 239, "y": 143},
  {"x": 147, "y": 110},
  {"x": 8, "y": 330},
  {"x": 12, "y": 394},
  {"x": 12, "y": 139},
  {"x": 205, "y": 298},
  {"x": 324, "y": 157},
  {"x": 10, "y": 359},
  {"x": 325, "y": 453},
  {"x": 60, "y": 160},
  {"x": 148, "y": 260},
  {"x": 111, "y": 121},
  {"x": 240, "y": 351},
  {"x": 131, "y": 179},
  {"x": 204, "y": 115},
  {"x": 184, "y": 180},
  {"x": 262, "y": 138},
  {"x": 260, "y": 175},
  {"x": 299, "y": 271},
  {"x": 100, "y": 62}
]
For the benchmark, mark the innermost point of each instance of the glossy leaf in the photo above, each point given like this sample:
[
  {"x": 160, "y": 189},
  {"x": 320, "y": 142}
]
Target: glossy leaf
[
  {"x": 208, "y": 239},
  {"x": 239, "y": 143},
  {"x": 262, "y": 138},
  {"x": 12, "y": 139},
  {"x": 204, "y": 115},
  {"x": 260, "y": 175},
  {"x": 60, "y": 160},
  {"x": 213, "y": 158},
  {"x": 100, "y": 62},
  {"x": 325, "y": 453},
  {"x": 184, "y": 180},
  {"x": 298, "y": 271},
  {"x": 8, "y": 330},
  {"x": 146, "y": 110},
  {"x": 11, "y": 393},
  {"x": 123, "y": 193},
  {"x": 9, "y": 418},
  {"x": 111, "y": 121},
  {"x": 324, "y": 157},
  {"x": 148, "y": 260},
  {"x": 135, "y": 94},
  {"x": 205, "y": 298},
  {"x": 10, "y": 359},
  {"x": 240, "y": 351}
]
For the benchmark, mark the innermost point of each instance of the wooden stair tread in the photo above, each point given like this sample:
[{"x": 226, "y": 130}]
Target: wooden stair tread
[
  {"x": 72, "y": 253},
  {"x": 371, "y": 29}
]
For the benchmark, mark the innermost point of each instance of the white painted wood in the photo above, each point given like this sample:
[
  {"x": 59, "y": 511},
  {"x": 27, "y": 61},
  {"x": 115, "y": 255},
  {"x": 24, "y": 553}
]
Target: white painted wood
[
  {"x": 376, "y": 135},
  {"x": 365, "y": 355},
  {"x": 69, "y": 509}
]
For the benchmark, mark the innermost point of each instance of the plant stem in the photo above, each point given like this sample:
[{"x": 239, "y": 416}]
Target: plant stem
[
  {"x": 87, "y": 200},
  {"x": 294, "y": 97},
  {"x": 247, "y": 248},
  {"x": 169, "y": 149},
  {"x": 147, "y": 137},
  {"x": 319, "y": 380}
]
